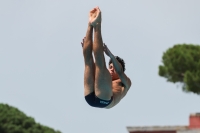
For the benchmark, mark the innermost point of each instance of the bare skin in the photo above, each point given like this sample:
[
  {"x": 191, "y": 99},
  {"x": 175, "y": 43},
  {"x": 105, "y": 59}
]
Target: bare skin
[{"x": 97, "y": 78}]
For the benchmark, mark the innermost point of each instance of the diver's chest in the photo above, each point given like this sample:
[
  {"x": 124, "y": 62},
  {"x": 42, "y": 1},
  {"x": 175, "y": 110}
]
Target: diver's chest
[{"x": 116, "y": 85}]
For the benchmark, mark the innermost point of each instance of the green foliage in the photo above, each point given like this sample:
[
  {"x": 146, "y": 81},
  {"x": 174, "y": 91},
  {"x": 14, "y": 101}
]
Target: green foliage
[
  {"x": 14, "y": 121},
  {"x": 181, "y": 64}
]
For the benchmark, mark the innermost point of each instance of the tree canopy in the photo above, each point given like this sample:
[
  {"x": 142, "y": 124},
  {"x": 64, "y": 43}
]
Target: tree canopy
[
  {"x": 181, "y": 64},
  {"x": 13, "y": 120}
]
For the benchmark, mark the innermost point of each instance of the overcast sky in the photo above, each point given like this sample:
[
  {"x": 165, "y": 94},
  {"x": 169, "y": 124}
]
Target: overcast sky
[{"x": 41, "y": 61}]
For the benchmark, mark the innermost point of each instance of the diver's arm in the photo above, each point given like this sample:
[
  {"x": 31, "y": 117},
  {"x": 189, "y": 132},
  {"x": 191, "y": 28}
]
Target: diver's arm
[{"x": 118, "y": 68}]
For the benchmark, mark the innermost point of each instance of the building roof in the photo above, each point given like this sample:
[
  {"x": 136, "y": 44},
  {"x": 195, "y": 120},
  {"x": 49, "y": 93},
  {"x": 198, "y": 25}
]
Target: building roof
[
  {"x": 157, "y": 128},
  {"x": 178, "y": 129},
  {"x": 193, "y": 127}
]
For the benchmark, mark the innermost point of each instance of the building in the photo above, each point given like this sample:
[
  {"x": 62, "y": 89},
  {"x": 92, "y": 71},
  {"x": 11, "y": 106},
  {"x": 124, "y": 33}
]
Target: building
[{"x": 193, "y": 127}]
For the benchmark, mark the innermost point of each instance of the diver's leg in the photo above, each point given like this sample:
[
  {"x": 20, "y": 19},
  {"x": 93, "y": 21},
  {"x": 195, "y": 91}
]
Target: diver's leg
[
  {"x": 103, "y": 81},
  {"x": 89, "y": 72}
]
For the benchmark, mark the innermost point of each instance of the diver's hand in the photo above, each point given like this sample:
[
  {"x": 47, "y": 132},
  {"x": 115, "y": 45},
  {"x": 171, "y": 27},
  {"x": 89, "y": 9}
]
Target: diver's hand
[{"x": 82, "y": 43}]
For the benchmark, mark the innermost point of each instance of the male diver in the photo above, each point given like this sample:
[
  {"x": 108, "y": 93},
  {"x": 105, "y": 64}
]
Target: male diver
[{"x": 103, "y": 87}]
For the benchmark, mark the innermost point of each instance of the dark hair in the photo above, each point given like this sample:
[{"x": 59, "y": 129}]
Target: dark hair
[{"x": 120, "y": 60}]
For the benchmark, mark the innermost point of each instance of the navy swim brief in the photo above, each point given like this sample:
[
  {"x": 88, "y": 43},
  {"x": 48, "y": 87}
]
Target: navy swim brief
[{"x": 94, "y": 101}]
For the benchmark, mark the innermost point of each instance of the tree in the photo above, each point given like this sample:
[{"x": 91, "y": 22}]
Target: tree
[
  {"x": 14, "y": 121},
  {"x": 181, "y": 64}
]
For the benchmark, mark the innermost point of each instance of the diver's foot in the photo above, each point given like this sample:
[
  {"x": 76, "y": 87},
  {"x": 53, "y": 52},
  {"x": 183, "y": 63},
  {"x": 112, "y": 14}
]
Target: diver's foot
[{"x": 95, "y": 17}]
